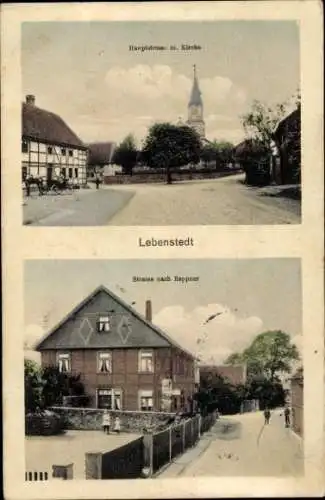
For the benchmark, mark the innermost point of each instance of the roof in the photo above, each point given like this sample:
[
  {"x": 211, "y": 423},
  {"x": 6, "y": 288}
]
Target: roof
[
  {"x": 99, "y": 340},
  {"x": 46, "y": 126},
  {"x": 236, "y": 374},
  {"x": 100, "y": 153},
  {"x": 248, "y": 146},
  {"x": 289, "y": 120},
  {"x": 195, "y": 99}
]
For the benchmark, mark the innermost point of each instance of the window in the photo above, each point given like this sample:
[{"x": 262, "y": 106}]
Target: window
[
  {"x": 24, "y": 146},
  {"x": 104, "y": 362},
  {"x": 24, "y": 173},
  {"x": 63, "y": 151},
  {"x": 146, "y": 361},
  {"x": 103, "y": 324},
  {"x": 49, "y": 150},
  {"x": 76, "y": 173},
  {"x": 70, "y": 152},
  {"x": 109, "y": 398},
  {"x": 145, "y": 400},
  {"x": 64, "y": 362},
  {"x": 70, "y": 173},
  {"x": 63, "y": 172}
]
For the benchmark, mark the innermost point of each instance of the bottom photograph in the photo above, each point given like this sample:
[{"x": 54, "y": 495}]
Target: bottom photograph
[{"x": 163, "y": 368}]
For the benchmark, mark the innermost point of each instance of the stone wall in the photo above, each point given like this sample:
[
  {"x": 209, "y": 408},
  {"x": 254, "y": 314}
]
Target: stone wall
[
  {"x": 160, "y": 177},
  {"x": 91, "y": 419}
]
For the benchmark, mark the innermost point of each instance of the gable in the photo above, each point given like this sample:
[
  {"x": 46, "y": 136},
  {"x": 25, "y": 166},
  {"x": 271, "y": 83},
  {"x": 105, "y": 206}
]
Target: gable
[{"x": 79, "y": 329}]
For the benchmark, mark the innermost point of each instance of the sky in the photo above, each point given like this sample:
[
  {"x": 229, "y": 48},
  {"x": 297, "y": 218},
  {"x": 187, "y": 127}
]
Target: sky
[
  {"x": 253, "y": 296},
  {"x": 85, "y": 72}
]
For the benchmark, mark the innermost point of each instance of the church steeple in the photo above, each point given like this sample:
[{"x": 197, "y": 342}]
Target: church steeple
[
  {"x": 195, "y": 99},
  {"x": 195, "y": 107}
]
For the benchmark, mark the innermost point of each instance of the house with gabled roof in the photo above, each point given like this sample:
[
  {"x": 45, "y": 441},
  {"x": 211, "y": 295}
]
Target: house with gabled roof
[
  {"x": 125, "y": 361},
  {"x": 49, "y": 146},
  {"x": 100, "y": 158}
]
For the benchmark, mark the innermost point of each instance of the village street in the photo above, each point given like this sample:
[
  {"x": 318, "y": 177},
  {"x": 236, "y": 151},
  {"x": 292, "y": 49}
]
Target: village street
[
  {"x": 208, "y": 202},
  {"x": 245, "y": 448}
]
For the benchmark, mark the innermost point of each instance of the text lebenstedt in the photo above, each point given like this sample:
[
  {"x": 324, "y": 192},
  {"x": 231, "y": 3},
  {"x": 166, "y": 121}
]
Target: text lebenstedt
[{"x": 175, "y": 242}]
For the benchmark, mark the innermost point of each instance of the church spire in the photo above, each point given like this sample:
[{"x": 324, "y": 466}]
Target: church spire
[{"x": 195, "y": 99}]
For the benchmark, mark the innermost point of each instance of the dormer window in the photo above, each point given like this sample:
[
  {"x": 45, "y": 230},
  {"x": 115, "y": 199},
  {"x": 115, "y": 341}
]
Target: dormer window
[{"x": 103, "y": 323}]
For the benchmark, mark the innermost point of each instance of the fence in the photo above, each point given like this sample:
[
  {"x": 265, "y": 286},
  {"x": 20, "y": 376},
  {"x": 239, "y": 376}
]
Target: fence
[
  {"x": 58, "y": 472},
  {"x": 161, "y": 448},
  {"x": 36, "y": 476},
  {"x": 145, "y": 456},
  {"x": 125, "y": 462}
]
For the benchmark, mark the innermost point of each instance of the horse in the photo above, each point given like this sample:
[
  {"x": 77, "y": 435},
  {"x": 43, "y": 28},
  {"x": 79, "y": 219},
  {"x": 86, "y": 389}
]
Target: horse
[{"x": 37, "y": 181}]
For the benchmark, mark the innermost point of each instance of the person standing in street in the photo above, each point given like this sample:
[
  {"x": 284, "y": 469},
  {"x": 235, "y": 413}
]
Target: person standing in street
[
  {"x": 267, "y": 416},
  {"x": 97, "y": 182},
  {"x": 287, "y": 416},
  {"x": 117, "y": 425},
  {"x": 106, "y": 422}
]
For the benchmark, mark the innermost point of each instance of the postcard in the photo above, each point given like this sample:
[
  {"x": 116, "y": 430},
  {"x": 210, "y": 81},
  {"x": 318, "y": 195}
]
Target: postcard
[{"x": 163, "y": 223}]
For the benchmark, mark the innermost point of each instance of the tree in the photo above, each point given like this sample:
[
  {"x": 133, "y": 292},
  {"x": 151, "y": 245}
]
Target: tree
[
  {"x": 57, "y": 384},
  {"x": 260, "y": 121},
  {"x": 270, "y": 354},
  {"x": 33, "y": 386},
  {"x": 126, "y": 154},
  {"x": 218, "y": 152},
  {"x": 168, "y": 146}
]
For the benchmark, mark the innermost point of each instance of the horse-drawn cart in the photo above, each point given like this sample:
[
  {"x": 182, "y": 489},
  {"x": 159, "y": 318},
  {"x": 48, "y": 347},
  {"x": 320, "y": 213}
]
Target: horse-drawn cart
[{"x": 47, "y": 186}]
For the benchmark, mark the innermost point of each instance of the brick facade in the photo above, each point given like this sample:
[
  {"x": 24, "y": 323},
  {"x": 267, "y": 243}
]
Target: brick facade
[
  {"x": 121, "y": 356},
  {"x": 168, "y": 363}
]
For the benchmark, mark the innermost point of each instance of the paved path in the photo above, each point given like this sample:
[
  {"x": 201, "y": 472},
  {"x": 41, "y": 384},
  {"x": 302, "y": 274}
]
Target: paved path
[
  {"x": 79, "y": 208},
  {"x": 41, "y": 452},
  {"x": 207, "y": 202},
  {"x": 246, "y": 450}
]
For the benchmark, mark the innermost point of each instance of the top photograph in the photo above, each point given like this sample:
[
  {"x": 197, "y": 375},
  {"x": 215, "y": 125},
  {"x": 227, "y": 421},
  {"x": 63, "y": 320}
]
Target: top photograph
[{"x": 148, "y": 123}]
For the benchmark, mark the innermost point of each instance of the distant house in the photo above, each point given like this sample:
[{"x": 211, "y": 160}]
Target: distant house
[
  {"x": 297, "y": 402},
  {"x": 254, "y": 159},
  {"x": 49, "y": 147},
  {"x": 287, "y": 155},
  {"x": 124, "y": 360},
  {"x": 100, "y": 157},
  {"x": 235, "y": 374}
]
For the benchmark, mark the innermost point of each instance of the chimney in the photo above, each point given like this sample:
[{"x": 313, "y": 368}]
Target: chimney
[
  {"x": 148, "y": 311},
  {"x": 30, "y": 99}
]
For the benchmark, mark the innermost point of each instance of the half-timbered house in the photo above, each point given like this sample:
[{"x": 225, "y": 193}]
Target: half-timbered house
[{"x": 49, "y": 147}]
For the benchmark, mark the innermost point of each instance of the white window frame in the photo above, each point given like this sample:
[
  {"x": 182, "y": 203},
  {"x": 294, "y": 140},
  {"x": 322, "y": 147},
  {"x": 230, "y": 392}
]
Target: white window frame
[
  {"x": 105, "y": 321},
  {"x": 104, "y": 359},
  {"x": 145, "y": 355},
  {"x": 64, "y": 358},
  {"x": 115, "y": 393},
  {"x": 146, "y": 397}
]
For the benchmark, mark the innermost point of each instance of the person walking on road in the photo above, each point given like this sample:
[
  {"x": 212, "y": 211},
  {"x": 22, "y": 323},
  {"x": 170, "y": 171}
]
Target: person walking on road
[
  {"x": 97, "y": 182},
  {"x": 106, "y": 422},
  {"x": 267, "y": 416},
  {"x": 287, "y": 416}
]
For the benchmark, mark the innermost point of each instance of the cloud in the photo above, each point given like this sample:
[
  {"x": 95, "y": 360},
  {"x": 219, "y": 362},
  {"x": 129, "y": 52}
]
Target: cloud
[{"x": 227, "y": 333}]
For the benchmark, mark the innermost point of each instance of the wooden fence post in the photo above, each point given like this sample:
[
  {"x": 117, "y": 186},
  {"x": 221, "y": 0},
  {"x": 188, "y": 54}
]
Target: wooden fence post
[
  {"x": 147, "y": 469},
  {"x": 170, "y": 443}
]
